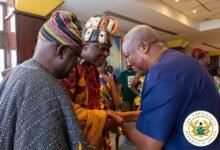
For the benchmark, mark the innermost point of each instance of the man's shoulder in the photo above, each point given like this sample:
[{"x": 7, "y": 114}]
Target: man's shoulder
[
  {"x": 84, "y": 68},
  {"x": 175, "y": 64},
  {"x": 177, "y": 58},
  {"x": 34, "y": 77}
]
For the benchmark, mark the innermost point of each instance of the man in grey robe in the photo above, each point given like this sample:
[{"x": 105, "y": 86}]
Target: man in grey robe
[{"x": 35, "y": 109}]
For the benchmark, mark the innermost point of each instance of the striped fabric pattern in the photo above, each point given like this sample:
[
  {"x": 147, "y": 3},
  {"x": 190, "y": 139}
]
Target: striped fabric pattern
[{"x": 63, "y": 28}]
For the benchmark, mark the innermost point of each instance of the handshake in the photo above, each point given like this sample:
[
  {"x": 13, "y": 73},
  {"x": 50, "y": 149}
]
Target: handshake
[
  {"x": 115, "y": 122},
  {"x": 116, "y": 119}
]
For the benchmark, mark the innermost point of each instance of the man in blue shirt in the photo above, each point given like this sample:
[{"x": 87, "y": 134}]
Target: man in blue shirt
[{"x": 176, "y": 88}]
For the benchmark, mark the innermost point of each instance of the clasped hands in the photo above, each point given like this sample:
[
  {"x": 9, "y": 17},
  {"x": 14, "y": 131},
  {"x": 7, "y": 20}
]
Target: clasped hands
[{"x": 115, "y": 119}]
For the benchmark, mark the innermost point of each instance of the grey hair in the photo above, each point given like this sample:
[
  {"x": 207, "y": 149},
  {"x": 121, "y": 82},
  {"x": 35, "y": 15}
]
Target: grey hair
[{"x": 142, "y": 33}]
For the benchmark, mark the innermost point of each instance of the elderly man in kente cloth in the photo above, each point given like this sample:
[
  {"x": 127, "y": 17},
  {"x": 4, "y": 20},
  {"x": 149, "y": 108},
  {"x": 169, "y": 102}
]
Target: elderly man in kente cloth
[
  {"x": 35, "y": 109},
  {"x": 83, "y": 82}
]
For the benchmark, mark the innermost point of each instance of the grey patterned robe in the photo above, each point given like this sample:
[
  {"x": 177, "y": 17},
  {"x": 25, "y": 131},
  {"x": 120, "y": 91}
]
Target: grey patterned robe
[{"x": 36, "y": 113}]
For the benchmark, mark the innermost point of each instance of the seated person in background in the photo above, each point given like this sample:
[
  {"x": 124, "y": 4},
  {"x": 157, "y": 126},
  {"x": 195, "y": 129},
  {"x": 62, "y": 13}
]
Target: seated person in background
[
  {"x": 83, "y": 83},
  {"x": 35, "y": 109}
]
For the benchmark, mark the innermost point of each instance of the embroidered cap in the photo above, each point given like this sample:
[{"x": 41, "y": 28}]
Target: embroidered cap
[
  {"x": 63, "y": 28},
  {"x": 99, "y": 29}
]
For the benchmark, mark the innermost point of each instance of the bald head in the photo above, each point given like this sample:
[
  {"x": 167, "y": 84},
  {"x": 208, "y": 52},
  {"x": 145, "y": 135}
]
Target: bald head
[
  {"x": 142, "y": 33},
  {"x": 141, "y": 46}
]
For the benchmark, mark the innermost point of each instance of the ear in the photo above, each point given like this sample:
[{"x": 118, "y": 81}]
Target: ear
[
  {"x": 85, "y": 47},
  {"x": 145, "y": 46},
  {"x": 84, "y": 50},
  {"x": 61, "y": 49}
]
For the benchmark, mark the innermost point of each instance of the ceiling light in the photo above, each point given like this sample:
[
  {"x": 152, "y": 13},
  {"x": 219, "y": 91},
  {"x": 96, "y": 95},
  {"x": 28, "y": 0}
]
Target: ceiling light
[
  {"x": 194, "y": 11},
  {"x": 177, "y": 1}
]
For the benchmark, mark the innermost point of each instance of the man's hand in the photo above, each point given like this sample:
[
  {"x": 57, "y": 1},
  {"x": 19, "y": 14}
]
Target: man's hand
[
  {"x": 130, "y": 116},
  {"x": 108, "y": 121},
  {"x": 108, "y": 112},
  {"x": 116, "y": 119},
  {"x": 110, "y": 124}
]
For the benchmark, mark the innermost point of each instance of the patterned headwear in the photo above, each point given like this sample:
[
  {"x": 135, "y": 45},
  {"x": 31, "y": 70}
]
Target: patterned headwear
[
  {"x": 99, "y": 29},
  {"x": 198, "y": 53},
  {"x": 63, "y": 28}
]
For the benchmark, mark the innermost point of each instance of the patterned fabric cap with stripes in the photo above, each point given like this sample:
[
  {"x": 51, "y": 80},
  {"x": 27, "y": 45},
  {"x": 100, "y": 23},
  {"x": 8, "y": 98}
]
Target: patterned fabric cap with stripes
[{"x": 63, "y": 28}]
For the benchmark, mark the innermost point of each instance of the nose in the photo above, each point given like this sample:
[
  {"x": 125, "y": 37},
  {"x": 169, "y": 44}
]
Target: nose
[{"x": 128, "y": 63}]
